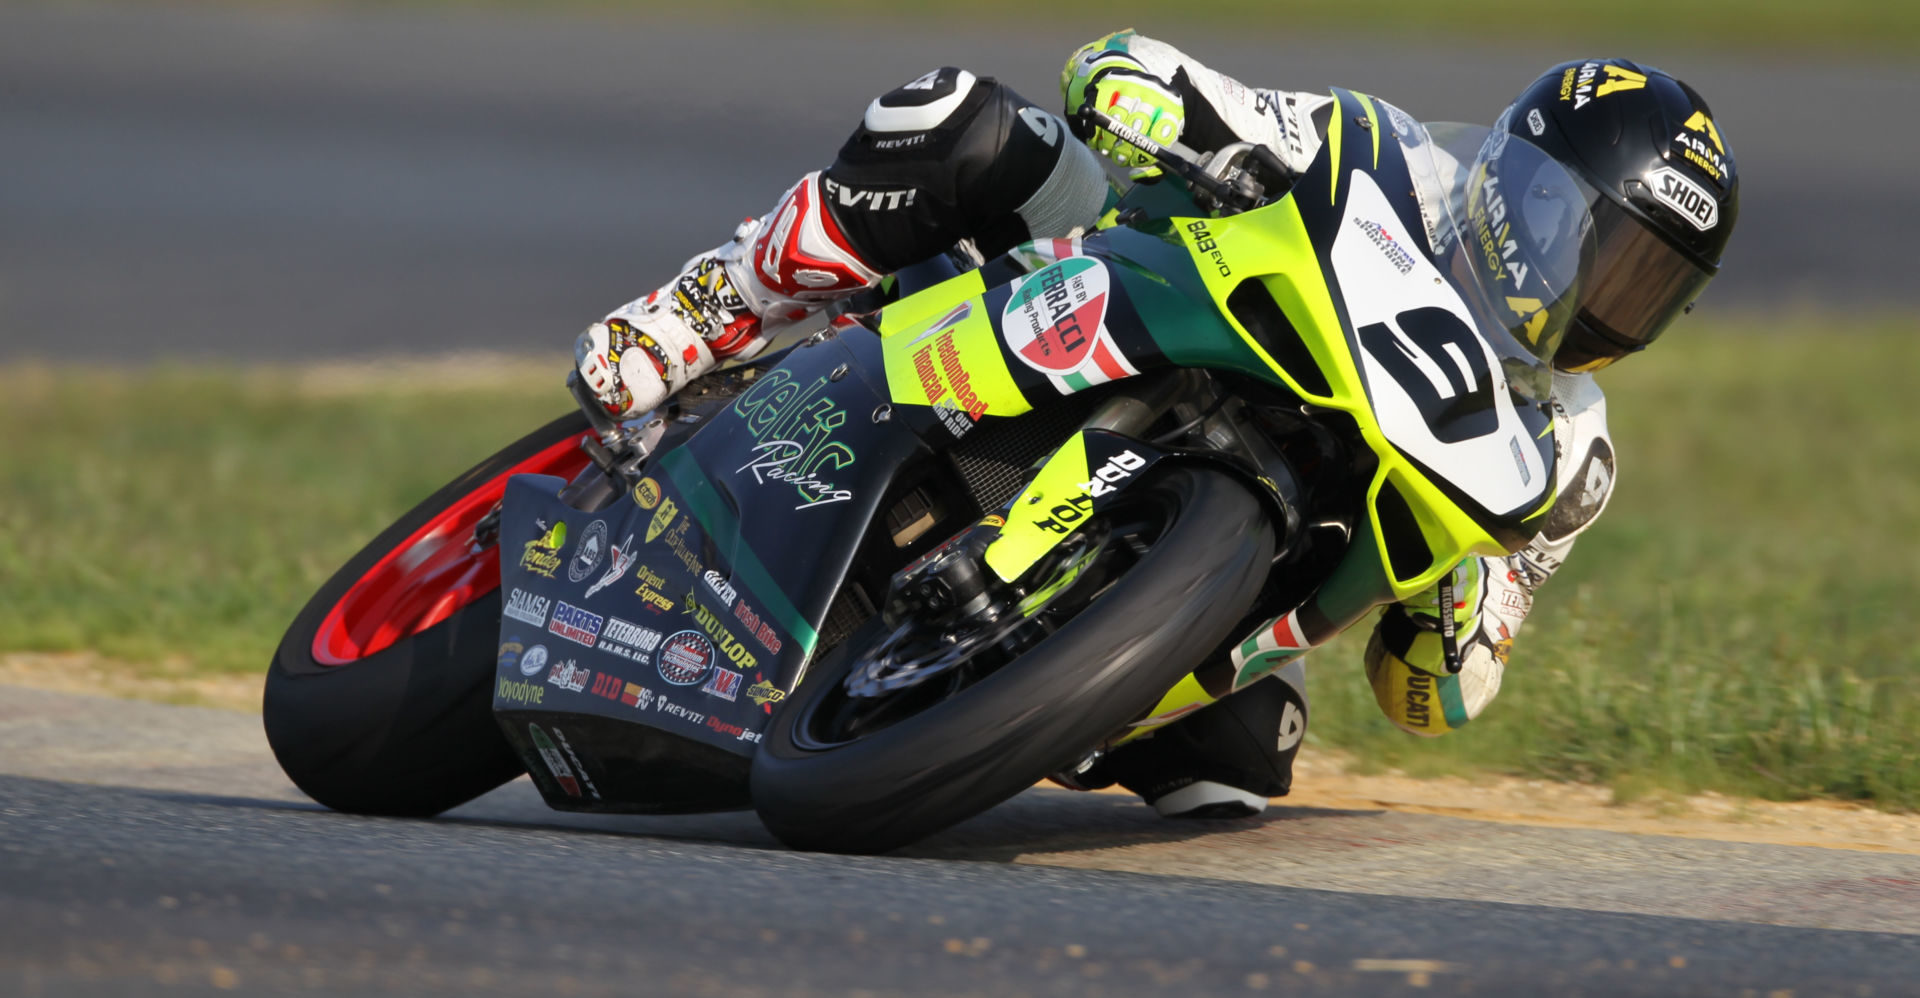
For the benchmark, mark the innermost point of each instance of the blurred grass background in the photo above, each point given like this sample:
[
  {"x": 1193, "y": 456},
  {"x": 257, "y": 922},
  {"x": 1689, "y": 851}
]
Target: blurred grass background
[
  {"x": 1740, "y": 620},
  {"x": 1887, "y": 28},
  {"x": 180, "y": 513}
]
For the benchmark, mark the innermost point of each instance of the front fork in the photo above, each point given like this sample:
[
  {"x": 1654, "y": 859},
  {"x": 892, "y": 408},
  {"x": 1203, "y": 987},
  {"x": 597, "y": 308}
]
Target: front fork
[
  {"x": 1080, "y": 477},
  {"x": 1062, "y": 492}
]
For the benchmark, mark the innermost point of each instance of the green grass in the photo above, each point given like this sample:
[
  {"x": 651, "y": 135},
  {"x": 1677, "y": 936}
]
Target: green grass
[
  {"x": 1889, "y": 28},
  {"x": 188, "y": 514},
  {"x": 1742, "y": 619}
]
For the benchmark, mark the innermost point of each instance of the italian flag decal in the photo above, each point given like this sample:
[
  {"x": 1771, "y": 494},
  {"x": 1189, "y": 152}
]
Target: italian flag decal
[
  {"x": 1273, "y": 646},
  {"x": 1055, "y": 321}
]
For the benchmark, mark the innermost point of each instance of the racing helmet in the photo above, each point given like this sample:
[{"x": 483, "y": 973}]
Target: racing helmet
[{"x": 1662, "y": 190}]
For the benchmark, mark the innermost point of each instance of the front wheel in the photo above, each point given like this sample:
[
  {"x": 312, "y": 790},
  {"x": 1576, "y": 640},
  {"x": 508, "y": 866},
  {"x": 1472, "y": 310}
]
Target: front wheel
[{"x": 890, "y": 739}]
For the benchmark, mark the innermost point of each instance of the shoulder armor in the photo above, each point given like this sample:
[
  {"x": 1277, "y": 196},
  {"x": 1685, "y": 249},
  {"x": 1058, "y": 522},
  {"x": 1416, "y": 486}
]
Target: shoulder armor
[{"x": 921, "y": 105}]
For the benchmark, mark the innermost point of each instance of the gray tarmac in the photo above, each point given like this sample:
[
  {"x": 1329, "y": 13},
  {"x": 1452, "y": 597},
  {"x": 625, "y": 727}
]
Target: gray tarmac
[
  {"x": 148, "y": 849},
  {"x": 301, "y": 182}
]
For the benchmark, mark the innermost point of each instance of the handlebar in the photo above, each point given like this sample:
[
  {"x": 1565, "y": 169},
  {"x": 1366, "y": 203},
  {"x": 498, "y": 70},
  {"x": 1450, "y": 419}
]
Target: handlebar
[{"x": 1235, "y": 191}]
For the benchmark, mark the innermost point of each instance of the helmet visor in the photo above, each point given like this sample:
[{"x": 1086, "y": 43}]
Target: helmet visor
[
  {"x": 1639, "y": 284},
  {"x": 1512, "y": 226}
]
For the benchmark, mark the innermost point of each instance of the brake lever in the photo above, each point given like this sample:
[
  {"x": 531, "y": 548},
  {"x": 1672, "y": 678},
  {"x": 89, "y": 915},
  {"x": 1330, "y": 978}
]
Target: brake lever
[{"x": 1175, "y": 158}]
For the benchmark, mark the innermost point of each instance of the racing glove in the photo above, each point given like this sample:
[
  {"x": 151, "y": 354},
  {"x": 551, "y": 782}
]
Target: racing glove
[
  {"x": 1406, "y": 661},
  {"x": 1119, "y": 86}
]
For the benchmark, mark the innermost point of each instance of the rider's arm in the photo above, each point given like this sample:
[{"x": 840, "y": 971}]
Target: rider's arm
[
  {"x": 1219, "y": 109},
  {"x": 1405, "y": 662}
]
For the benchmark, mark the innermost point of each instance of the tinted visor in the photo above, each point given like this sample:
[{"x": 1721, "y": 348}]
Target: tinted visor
[{"x": 1639, "y": 284}]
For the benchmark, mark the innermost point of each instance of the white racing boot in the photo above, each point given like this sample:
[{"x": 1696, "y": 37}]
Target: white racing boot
[{"x": 774, "y": 271}]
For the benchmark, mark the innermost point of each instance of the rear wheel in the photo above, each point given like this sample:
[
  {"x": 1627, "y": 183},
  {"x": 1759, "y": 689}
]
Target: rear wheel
[
  {"x": 901, "y": 732},
  {"x": 379, "y": 699}
]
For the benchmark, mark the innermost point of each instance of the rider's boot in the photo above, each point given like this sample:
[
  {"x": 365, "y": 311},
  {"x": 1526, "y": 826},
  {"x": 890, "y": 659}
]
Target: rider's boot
[
  {"x": 1222, "y": 761},
  {"x": 726, "y": 302}
]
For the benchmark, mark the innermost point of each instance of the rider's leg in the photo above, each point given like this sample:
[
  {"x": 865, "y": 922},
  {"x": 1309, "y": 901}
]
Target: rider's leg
[
  {"x": 945, "y": 158},
  {"x": 1222, "y": 761}
]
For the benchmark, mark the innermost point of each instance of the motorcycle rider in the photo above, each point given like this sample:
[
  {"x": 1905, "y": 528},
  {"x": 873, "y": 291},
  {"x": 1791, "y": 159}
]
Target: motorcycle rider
[{"x": 951, "y": 159}]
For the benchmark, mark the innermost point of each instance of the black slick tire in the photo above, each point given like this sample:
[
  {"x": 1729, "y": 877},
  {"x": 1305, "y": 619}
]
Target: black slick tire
[
  {"x": 408, "y": 730},
  {"x": 1038, "y": 713}
]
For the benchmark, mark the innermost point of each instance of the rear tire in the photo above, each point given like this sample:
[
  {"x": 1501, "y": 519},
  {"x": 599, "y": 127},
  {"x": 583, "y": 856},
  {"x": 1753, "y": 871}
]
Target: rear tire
[
  {"x": 1034, "y": 715},
  {"x": 407, "y": 730}
]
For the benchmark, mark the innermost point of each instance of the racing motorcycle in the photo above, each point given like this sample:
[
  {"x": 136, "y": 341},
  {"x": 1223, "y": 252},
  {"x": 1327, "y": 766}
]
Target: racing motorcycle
[{"x": 988, "y": 523}]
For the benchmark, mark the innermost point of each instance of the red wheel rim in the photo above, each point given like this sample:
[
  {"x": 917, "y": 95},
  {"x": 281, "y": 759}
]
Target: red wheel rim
[{"x": 434, "y": 573}]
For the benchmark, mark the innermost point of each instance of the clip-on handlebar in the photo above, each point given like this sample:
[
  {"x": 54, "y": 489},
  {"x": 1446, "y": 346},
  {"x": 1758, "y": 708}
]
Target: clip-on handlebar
[{"x": 1229, "y": 187}]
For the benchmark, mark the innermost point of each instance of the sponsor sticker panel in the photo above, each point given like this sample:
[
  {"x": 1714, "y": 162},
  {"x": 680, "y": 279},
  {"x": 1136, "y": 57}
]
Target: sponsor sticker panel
[
  {"x": 591, "y": 550},
  {"x": 629, "y": 640},
  {"x": 685, "y": 657},
  {"x": 1055, "y": 323},
  {"x": 711, "y": 676},
  {"x": 576, "y": 625},
  {"x": 526, "y": 607},
  {"x": 533, "y": 660},
  {"x": 541, "y": 556}
]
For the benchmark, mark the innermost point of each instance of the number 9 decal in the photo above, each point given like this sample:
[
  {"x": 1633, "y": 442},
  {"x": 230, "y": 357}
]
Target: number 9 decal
[{"x": 1442, "y": 366}]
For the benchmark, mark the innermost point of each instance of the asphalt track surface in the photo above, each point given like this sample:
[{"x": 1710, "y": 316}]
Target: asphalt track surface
[
  {"x": 295, "y": 183},
  {"x": 156, "y": 850}
]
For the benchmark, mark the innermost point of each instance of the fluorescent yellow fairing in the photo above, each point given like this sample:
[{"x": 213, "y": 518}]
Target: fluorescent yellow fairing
[
  {"x": 917, "y": 311},
  {"x": 1053, "y": 506},
  {"x": 932, "y": 354},
  {"x": 1272, "y": 244},
  {"x": 1373, "y": 126},
  {"x": 1186, "y": 697},
  {"x": 1333, "y": 150}
]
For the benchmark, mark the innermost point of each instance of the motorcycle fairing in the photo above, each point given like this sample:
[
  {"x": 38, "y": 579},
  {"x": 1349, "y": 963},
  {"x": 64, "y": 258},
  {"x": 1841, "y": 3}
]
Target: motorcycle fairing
[
  {"x": 1301, "y": 251},
  {"x": 1048, "y": 319},
  {"x": 592, "y": 672},
  {"x": 941, "y": 352},
  {"x": 767, "y": 504},
  {"x": 1438, "y": 493},
  {"x": 1079, "y": 479},
  {"x": 1084, "y": 476}
]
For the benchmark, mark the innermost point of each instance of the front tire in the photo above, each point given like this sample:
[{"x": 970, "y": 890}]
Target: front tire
[
  {"x": 380, "y": 697},
  {"x": 1044, "y": 710}
]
